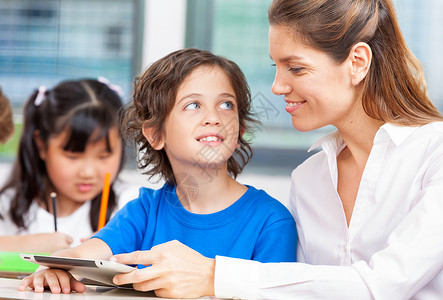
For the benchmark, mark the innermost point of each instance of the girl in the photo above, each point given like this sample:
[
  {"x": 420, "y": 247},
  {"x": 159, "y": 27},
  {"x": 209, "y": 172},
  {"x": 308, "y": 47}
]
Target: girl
[
  {"x": 188, "y": 116},
  {"x": 70, "y": 140}
]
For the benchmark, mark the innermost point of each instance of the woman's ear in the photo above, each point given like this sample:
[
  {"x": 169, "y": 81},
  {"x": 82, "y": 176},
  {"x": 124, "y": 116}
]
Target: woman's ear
[
  {"x": 360, "y": 57},
  {"x": 41, "y": 147},
  {"x": 150, "y": 134}
]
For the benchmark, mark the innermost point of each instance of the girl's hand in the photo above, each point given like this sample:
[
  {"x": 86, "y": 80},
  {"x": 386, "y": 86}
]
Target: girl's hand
[
  {"x": 57, "y": 280},
  {"x": 176, "y": 271},
  {"x": 50, "y": 242},
  {"x": 36, "y": 243}
]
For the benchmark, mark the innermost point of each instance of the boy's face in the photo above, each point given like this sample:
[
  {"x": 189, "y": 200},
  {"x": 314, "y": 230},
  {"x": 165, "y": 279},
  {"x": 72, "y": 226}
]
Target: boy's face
[{"x": 203, "y": 127}]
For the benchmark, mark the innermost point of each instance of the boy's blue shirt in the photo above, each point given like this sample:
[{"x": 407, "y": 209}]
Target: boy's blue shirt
[{"x": 256, "y": 227}]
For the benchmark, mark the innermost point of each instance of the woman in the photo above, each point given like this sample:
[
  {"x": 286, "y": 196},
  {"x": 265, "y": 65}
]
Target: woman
[{"x": 369, "y": 206}]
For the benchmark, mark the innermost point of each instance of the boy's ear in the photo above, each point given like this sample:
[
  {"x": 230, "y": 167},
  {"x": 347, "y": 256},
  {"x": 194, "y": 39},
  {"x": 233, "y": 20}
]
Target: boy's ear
[
  {"x": 241, "y": 133},
  {"x": 360, "y": 57},
  {"x": 41, "y": 147},
  {"x": 149, "y": 134}
]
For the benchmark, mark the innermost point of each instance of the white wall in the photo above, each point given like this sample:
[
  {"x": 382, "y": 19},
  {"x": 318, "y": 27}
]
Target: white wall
[{"x": 164, "y": 31}]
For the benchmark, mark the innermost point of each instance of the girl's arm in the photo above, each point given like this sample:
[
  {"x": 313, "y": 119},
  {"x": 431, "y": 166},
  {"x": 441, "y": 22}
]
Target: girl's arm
[
  {"x": 35, "y": 243},
  {"x": 62, "y": 281}
]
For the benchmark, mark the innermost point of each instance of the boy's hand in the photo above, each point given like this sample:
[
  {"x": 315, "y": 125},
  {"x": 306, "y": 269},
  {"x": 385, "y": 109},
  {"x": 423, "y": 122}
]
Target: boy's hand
[
  {"x": 176, "y": 271},
  {"x": 59, "y": 281}
]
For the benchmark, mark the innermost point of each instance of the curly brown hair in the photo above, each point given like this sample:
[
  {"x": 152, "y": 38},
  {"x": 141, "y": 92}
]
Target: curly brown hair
[{"x": 154, "y": 97}]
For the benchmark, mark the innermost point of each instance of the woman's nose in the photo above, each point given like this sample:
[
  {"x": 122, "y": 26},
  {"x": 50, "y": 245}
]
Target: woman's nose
[{"x": 280, "y": 86}]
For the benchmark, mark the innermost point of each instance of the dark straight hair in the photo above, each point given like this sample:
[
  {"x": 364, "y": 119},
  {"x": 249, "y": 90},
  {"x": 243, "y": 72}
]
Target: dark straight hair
[{"x": 88, "y": 109}]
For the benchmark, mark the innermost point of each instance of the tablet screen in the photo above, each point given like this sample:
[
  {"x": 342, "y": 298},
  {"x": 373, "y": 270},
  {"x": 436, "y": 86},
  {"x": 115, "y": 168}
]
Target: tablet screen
[
  {"x": 97, "y": 270},
  {"x": 75, "y": 262}
]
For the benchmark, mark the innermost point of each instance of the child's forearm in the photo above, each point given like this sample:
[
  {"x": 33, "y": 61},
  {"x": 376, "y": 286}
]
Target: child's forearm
[
  {"x": 91, "y": 249},
  {"x": 35, "y": 243}
]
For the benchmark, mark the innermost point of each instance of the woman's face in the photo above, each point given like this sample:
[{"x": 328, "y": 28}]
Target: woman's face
[{"x": 317, "y": 90}]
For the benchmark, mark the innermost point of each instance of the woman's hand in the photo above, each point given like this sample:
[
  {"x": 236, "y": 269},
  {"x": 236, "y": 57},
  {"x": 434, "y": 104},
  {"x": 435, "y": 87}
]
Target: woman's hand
[
  {"x": 59, "y": 281},
  {"x": 176, "y": 271}
]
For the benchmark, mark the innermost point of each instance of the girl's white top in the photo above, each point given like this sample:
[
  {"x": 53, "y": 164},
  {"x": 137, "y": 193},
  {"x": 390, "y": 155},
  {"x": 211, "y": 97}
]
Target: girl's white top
[
  {"x": 77, "y": 225},
  {"x": 393, "y": 248}
]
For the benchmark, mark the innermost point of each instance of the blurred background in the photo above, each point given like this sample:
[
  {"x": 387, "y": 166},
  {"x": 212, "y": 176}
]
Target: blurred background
[{"x": 45, "y": 41}]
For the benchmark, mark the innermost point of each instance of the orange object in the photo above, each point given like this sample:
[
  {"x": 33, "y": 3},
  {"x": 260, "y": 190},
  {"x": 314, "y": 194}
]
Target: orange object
[{"x": 104, "y": 203}]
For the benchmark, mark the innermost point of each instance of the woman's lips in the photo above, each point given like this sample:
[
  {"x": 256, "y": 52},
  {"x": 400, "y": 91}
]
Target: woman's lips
[{"x": 293, "y": 106}]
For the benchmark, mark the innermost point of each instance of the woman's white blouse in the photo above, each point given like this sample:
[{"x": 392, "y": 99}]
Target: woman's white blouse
[{"x": 393, "y": 247}]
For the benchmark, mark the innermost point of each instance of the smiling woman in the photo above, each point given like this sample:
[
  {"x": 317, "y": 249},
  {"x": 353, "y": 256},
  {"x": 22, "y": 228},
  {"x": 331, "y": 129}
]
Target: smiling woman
[
  {"x": 366, "y": 220},
  {"x": 310, "y": 80}
]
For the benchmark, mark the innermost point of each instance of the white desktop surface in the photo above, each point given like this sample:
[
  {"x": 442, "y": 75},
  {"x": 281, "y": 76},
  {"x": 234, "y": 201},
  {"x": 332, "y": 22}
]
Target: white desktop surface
[{"x": 8, "y": 290}]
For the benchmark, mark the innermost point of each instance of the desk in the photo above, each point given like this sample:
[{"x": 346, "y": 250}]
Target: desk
[{"x": 9, "y": 286}]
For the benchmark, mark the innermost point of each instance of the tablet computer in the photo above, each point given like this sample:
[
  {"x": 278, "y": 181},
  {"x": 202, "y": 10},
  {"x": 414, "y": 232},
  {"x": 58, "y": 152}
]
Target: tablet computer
[{"x": 97, "y": 270}]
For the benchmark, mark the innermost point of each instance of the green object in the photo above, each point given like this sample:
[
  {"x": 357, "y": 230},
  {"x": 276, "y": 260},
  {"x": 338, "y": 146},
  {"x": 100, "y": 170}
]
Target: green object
[
  {"x": 12, "y": 262},
  {"x": 9, "y": 150}
]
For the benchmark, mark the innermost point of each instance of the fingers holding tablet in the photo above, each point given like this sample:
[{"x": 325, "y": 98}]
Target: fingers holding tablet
[
  {"x": 97, "y": 270},
  {"x": 57, "y": 280}
]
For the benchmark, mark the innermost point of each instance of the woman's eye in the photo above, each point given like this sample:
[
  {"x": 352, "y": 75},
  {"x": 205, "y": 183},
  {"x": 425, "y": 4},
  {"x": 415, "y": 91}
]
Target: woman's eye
[
  {"x": 193, "y": 105},
  {"x": 227, "y": 105},
  {"x": 295, "y": 70}
]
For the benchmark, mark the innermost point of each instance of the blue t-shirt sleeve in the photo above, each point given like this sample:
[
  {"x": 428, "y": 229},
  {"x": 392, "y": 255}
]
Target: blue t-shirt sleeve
[
  {"x": 277, "y": 241},
  {"x": 125, "y": 231}
]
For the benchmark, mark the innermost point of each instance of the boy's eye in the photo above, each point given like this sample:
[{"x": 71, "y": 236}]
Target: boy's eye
[
  {"x": 227, "y": 105},
  {"x": 193, "y": 105}
]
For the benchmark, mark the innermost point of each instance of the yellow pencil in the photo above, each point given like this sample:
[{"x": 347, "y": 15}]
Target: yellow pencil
[{"x": 104, "y": 203}]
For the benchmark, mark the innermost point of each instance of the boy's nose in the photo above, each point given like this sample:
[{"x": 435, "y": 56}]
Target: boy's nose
[{"x": 212, "y": 118}]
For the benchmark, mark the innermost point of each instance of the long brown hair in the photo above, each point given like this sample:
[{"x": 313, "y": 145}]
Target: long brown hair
[{"x": 394, "y": 90}]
